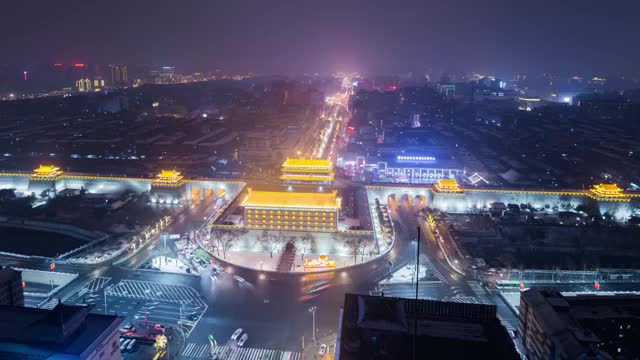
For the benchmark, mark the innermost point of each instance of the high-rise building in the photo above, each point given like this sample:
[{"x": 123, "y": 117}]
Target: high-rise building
[
  {"x": 119, "y": 75},
  {"x": 553, "y": 326},
  {"x": 84, "y": 85},
  {"x": 11, "y": 292}
]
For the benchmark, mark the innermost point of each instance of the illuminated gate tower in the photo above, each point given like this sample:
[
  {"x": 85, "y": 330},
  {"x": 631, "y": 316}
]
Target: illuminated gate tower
[
  {"x": 167, "y": 187},
  {"x": 291, "y": 211},
  {"x": 307, "y": 172},
  {"x": 44, "y": 178}
]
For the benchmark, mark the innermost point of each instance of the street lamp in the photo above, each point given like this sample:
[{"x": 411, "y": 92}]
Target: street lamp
[{"x": 312, "y": 310}]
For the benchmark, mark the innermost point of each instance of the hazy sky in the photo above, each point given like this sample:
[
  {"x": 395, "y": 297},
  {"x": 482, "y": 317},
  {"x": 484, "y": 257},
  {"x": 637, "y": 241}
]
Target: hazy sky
[{"x": 269, "y": 36}]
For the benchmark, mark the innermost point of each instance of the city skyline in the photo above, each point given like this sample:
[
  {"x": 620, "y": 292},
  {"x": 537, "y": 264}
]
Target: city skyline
[
  {"x": 325, "y": 37},
  {"x": 335, "y": 180}
]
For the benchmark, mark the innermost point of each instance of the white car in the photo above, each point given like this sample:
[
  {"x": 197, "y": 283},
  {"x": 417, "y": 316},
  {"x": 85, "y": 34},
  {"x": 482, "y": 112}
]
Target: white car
[
  {"x": 323, "y": 349},
  {"x": 243, "y": 339},
  {"x": 239, "y": 279},
  {"x": 236, "y": 334}
]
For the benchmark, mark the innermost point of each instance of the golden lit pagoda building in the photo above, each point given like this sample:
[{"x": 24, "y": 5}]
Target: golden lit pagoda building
[
  {"x": 46, "y": 172},
  {"x": 167, "y": 187},
  {"x": 608, "y": 192},
  {"x": 448, "y": 186},
  {"x": 44, "y": 179},
  {"x": 168, "y": 178},
  {"x": 291, "y": 211},
  {"x": 307, "y": 172}
]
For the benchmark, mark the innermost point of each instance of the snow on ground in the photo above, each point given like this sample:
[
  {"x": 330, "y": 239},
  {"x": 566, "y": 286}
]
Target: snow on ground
[
  {"x": 249, "y": 253},
  {"x": 101, "y": 254},
  {"x": 406, "y": 274},
  {"x": 168, "y": 264}
]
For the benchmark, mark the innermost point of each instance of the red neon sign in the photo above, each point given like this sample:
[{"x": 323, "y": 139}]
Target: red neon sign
[{"x": 79, "y": 65}]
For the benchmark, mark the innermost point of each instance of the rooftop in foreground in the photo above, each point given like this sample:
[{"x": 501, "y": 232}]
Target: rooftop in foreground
[
  {"x": 65, "y": 329},
  {"x": 284, "y": 199},
  {"x": 371, "y": 325}
]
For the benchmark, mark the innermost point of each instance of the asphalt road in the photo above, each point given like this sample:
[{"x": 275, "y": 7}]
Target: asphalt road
[{"x": 268, "y": 309}]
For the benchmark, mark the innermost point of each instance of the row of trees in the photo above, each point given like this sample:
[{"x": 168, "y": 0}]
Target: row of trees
[
  {"x": 221, "y": 241},
  {"x": 273, "y": 242},
  {"x": 360, "y": 246}
]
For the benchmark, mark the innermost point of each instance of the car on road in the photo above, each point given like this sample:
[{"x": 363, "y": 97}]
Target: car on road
[
  {"x": 128, "y": 329},
  {"x": 236, "y": 333},
  {"x": 192, "y": 317},
  {"x": 323, "y": 349},
  {"x": 243, "y": 339},
  {"x": 159, "y": 327},
  {"x": 239, "y": 279}
]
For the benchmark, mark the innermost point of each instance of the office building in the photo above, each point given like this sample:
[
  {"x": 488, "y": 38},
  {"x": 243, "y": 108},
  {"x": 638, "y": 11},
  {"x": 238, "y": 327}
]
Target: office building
[
  {"x": 64, "y": 332},
  {"x": 84, "y": 85},
  {"x": 119, "y": 75},
  {"x": 11, "y": 292},
  {"x": 553, "y": 326}
]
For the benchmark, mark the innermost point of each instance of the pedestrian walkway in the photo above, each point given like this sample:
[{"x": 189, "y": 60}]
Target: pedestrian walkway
[
  {"x": 145, "y": 290},
  {"x": 287, "y": 258},
  {"x": 195, "y": 351},
  {"x": 465, "y": 300},
  {"x": 506, "y": 324},
  {"x": 97, "y": 283},
  {"x": 77, "y": 295},
  {"x": 480, "y": 292}
]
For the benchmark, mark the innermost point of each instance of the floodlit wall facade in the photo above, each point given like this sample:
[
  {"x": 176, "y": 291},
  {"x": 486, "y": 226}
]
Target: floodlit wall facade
[
  {"x": 186, "y": 190},
  {"x": 483, "y": 198},
  {"x": 286, "y": 211}
]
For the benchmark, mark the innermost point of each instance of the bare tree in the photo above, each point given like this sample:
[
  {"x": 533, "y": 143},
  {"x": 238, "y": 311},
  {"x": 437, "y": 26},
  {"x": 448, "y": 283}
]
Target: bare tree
[
  {"x": 223, "y": 240},
  {"x": 270, "y": 243},
  {"x": 360, "y": 245},
  {"x": 304, "y": 244}
]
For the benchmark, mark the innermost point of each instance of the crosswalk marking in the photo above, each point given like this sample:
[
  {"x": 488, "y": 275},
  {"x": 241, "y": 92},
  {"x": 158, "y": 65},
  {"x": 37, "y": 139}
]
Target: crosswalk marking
[
  {"x": 506, "y": 324},
  {"x": 193, "y": 351},
  {"x": 76, "y": 296},
  {"x": 157, "y": 292}
]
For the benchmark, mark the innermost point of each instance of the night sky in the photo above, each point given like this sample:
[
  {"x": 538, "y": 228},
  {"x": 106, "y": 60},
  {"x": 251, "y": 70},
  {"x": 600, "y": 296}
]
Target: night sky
[{"x": 270, "y": 36}]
